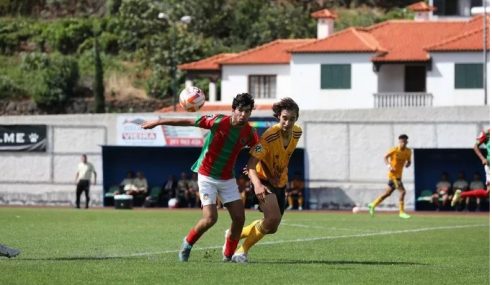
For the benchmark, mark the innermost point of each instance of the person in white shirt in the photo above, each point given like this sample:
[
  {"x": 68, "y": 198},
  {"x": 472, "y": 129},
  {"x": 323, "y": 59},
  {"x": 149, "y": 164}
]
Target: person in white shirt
[
  {"x": 83, "y": 180},
  {"x": 139, "y": 185}
]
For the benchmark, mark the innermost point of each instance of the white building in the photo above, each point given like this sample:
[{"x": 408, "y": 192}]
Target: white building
[{"x": 399, "y": 63}]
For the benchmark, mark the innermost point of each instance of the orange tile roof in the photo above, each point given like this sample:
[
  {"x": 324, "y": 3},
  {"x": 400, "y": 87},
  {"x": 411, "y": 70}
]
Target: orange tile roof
[
  {"x": 325, "y": 13},
  {"x": 470, "y": 41},
  {"x": 348, "y": 40},
  {"x": 398, "y": 40},
  {"x": 209, "y": 63},
  {"x": 391, "y": 41},
  {"x": 405, "y": 40},
  {"x": 421, "y": 7},
  {"x": 213, "y": 107},
  {"x": 275, "y": 52}
]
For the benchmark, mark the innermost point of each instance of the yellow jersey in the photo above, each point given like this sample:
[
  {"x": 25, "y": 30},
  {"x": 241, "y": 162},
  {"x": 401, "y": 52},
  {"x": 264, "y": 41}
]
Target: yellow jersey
[
  {"x": 273, "y": 156},
  {"x": 398, "y": 159}
]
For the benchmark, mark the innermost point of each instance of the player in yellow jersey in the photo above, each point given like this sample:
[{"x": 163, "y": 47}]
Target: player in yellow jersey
[
  {"x": 267, "y": 169},
  {"x": 397, "y": 157}
]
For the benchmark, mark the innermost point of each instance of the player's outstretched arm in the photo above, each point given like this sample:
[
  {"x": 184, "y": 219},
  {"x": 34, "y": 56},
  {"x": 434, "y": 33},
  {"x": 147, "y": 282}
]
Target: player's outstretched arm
[{"x": 170, "y": 122}]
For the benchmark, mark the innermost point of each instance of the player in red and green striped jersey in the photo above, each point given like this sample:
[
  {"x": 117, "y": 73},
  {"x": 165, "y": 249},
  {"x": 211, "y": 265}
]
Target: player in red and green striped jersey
[
  {"x": 482, "y": 140},
  {"x": 215, "y": 166}
]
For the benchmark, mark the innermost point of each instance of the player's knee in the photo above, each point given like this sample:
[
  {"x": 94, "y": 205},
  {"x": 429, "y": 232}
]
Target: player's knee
[
  {"x": 210, "y": 221},
  {"x": 238, "y": 218},
  {"x": 271, "y": 224}
]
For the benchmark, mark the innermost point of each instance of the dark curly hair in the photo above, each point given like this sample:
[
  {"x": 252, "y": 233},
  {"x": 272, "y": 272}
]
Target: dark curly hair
[
  {"x": 403, "y": 137},
  {"x": 243, "y": 100},
  {"x": 285, "y": 104}
]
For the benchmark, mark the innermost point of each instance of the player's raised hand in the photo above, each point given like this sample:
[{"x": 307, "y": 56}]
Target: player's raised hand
[
  {"x": 261, "y": 191},
  {"x": 149, "y": 124}
]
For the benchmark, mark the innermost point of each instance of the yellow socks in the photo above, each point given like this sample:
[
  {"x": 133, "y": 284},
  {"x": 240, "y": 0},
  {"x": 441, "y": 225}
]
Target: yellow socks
[
  {"x": 377, "y": 201},
  {"x": 247, "y": 229},
  {"x": 253, "y": 237},
  {"x": 402, "y": 207}
]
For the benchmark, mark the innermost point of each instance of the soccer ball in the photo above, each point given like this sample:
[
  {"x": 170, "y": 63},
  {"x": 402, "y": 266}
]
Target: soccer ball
[
  {"x": 172, "y": 203},
  {"x": 191, "y": 98},
  {"x": 355, "y": 210}
]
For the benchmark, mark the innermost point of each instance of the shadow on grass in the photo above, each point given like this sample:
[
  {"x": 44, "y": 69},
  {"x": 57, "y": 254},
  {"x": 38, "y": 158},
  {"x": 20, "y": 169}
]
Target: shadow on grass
[{"x": 336, "y": 262}]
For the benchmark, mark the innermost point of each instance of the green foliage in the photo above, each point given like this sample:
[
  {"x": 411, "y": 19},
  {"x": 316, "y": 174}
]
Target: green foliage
[
  {"x": 9, "y": 89},
  {"x": 67, "y": 35},
  {"x": 55, "y": 82},
  {"x": 34, "y": 61},
  {"x": 13, "y": 32},
  {"x": 287, "y": 21},
  {"x": 137, "y": 21},
  {"x": 98, "y": 79},
  {"x": 130, "y": 31}
]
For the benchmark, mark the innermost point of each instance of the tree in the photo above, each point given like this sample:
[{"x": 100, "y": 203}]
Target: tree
[{"x": 98, "y": 80}]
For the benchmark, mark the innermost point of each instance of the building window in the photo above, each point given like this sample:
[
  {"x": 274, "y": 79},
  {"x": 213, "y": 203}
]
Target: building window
[
  {"x": 468, "y": 75},
  {"x": 263, "y": 86},
  {"x": 336, "y": 76}
]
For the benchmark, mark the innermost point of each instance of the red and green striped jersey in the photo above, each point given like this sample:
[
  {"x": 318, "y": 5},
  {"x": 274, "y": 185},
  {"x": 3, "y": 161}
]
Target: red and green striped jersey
[{"x": 222, "y": 146}]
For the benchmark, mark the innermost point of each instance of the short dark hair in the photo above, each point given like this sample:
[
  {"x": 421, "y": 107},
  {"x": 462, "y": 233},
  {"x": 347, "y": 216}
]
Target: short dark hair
[
  {"x": 285, "y": 104},
  {"x": 243, "y": 100},
  {"x": 403, "y": 137}
]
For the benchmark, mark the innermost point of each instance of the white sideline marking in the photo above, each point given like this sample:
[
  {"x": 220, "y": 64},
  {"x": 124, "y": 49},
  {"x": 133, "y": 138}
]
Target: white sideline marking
[
  {"x": 317, "y": 227},
  {"x": 312, "y": 239}
]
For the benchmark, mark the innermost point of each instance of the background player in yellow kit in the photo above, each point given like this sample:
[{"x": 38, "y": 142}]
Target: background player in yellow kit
[
  {"x": 267, "y": 169},
  {"x": 396, "y": 158}
]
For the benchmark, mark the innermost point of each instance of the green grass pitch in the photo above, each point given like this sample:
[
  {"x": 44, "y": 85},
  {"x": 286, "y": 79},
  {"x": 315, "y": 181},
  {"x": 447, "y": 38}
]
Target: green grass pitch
[{"x": 105, "y": 246}]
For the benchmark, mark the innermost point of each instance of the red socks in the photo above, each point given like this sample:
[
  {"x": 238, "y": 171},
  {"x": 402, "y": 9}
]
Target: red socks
[
  {"x": 230, "y": 247},
  {"x": 192, "y": 236},
  {"x": 479, "y": 193}
]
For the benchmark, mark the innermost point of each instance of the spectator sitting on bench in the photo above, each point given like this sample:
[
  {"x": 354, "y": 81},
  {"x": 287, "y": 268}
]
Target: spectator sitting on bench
[
  {"x": 126, "y": 184},
  {"x": 443, "y": 191},
  {"x": 475, "y": 184},
  {"x": 139, "y": 185},
  {"x": 461, "y": 184}
]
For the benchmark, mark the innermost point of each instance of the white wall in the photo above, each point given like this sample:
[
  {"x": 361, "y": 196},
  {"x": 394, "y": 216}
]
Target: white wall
[
  {"x": 235, "y": 80},
  {"x": 343, "y": 149},
  {"x": 306, "y": 82},
  {"x": 391, "y": 78},
  {"x": 440, "y": 81}
]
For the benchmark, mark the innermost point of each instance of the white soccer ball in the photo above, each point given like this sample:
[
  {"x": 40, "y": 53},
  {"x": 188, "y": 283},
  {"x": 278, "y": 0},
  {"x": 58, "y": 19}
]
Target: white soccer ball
[
  {"x": 191, "y": 98},
  {"x": 172, "y": 203},
  {"x": 355, "y": 210}
]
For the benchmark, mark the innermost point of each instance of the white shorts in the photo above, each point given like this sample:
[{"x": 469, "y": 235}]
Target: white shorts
[{"x": 209, "y": 188}]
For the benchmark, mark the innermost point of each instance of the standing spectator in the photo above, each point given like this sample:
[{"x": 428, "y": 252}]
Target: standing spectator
[
  {"x": 83, "y": 180},
  {"x": 443, "y": 192},
  {"x": 295, "y": 189},
  {"x": 182, "y": 192}
]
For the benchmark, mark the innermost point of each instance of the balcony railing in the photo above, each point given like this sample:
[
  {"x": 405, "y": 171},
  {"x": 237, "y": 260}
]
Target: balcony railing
[{"x": 402, "y": 99}]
